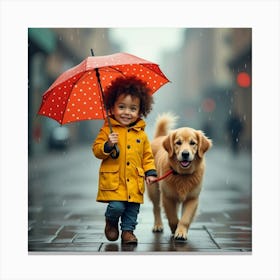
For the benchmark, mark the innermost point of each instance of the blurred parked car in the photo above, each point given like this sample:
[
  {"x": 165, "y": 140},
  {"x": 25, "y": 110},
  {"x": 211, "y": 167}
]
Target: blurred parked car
[{"x": 59, "y": 138}]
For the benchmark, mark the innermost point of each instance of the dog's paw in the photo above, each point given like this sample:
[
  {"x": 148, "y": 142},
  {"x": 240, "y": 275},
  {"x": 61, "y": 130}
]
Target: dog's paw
[
  {"x": 180, "y": 234},
  {"x": 158, "y": 228},
  {"x": 181, "y": 239}
]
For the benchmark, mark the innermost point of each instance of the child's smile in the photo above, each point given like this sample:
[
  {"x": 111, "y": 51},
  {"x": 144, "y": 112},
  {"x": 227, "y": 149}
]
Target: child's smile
[{"x": 126, "y": 109}]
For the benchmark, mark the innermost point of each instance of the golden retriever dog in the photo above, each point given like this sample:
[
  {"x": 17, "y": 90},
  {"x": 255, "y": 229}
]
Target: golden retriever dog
[{"x": 181, "y": 152}]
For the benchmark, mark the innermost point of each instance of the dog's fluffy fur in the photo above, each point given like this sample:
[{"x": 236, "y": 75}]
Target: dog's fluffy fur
[{"x": 181, "y": 150}]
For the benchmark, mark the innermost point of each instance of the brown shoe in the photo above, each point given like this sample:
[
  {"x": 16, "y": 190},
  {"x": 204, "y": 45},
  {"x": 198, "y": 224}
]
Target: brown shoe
[
  {"x": 128, "y": 237},
  {"x": 111, "y": 230}
]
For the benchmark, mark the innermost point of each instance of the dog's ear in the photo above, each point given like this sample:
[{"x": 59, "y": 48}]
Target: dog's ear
[
  {"x": 168, "y": 144},
  {"x": 204, "y": 143}
]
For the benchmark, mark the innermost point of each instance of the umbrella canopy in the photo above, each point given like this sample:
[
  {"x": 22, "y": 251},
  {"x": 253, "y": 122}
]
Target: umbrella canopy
[{"x": 77, "y": 94}]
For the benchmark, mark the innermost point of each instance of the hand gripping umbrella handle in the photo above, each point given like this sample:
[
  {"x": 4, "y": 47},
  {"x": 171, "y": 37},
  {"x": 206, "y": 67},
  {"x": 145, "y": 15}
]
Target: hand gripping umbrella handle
[{"x": 116, "y": 151}]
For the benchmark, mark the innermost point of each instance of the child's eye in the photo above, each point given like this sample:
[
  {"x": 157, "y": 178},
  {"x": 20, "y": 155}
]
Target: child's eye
[{"x": 121, "y": 107}]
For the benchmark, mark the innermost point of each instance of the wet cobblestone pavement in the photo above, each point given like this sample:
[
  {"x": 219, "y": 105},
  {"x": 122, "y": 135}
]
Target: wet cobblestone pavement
[{"x": 65, "y": 218}]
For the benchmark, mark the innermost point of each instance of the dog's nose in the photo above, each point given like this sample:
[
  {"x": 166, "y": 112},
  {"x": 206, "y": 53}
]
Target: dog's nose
[{"x": 185, "y": 155}]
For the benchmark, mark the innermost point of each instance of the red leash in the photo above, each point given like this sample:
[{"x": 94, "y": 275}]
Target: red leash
[{"x": 169, "y": 172}]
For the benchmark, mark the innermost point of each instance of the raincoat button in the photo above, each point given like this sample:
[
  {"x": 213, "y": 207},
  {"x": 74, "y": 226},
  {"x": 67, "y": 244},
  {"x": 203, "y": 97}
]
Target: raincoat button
[
  {"x": 128, "y": 146},
  {"x": 127, "y": 180},
  {"x": 128, "y": 163},
  {"x": 128, "y": 130}
]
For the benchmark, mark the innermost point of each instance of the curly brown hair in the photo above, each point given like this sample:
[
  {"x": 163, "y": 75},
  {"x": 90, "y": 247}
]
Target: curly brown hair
[{"x": 132, "y": 86}]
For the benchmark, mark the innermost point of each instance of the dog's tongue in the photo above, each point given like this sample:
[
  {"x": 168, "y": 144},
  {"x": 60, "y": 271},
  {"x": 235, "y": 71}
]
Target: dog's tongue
[{"x": 185, "y": 163}]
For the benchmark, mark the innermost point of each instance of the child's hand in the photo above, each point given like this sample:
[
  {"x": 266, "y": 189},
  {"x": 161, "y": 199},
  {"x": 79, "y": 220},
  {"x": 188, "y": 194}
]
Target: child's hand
[
  {"x": 150, "y": 179},
  {"x": 113, "y": 139}
]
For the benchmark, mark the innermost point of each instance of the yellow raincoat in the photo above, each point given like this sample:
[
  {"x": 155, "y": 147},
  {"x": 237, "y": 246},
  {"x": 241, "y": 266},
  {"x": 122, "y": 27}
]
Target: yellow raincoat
[{"x": 122, "y": 179}]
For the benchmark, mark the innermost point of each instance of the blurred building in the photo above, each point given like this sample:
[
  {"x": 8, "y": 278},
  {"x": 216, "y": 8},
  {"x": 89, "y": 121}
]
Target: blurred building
[
  {"x": 51, "y": 51},
  {"x": 240, "y": 65},
  {"x": 42, "y": 42}
]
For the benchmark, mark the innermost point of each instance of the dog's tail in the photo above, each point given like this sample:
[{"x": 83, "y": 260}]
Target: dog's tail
[{"x": 164, "y": 123}]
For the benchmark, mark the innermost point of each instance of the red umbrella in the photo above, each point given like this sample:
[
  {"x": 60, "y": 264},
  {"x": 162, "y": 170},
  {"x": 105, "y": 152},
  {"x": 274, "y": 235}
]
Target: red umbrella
[{"x": 77, "y": 94}]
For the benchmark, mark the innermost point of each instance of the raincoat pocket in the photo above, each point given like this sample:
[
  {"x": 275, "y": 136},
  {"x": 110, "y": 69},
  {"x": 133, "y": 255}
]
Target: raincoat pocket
[
  {"x": 141, "y": 177},
  {"x": 109, "y": 177}
]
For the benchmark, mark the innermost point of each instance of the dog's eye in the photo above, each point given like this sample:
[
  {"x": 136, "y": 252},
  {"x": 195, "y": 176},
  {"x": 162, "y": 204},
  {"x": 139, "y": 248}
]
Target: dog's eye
[
  {"x": 179, "y": 143},
  {"x": 192, "y": 143}
]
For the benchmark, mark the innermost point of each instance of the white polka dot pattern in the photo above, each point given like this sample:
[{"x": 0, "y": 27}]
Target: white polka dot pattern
[{"x": 76, "y": 96}]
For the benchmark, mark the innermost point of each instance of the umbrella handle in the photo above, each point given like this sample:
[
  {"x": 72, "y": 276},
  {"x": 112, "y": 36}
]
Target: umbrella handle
[{"x": 116, "y": 152}]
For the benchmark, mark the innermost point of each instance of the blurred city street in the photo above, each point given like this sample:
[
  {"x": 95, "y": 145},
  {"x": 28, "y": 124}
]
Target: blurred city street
[
  {"x": 210, "y": 89},
  {"x": 64, "y": 216}
]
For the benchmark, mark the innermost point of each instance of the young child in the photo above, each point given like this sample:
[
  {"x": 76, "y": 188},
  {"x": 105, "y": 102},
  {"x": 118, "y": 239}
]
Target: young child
[{"x": 121, "y": 180}]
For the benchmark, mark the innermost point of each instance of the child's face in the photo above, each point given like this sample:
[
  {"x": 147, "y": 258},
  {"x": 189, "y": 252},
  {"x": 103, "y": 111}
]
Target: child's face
[{"x": 126, "y": 109}]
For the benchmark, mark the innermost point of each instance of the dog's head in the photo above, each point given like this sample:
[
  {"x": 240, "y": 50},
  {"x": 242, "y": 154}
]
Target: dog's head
[{"x": 186, "y": 146}]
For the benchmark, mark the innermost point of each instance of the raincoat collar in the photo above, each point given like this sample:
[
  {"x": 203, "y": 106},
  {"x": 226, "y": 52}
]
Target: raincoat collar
[{"x": 140, "y": 124}]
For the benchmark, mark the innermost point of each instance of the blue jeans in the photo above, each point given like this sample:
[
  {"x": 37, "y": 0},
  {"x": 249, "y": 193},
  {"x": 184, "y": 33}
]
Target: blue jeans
[{"x": 127, "y": 211}]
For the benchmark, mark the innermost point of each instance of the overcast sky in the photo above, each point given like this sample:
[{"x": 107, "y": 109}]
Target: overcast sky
[{"x": 147, "y": 42}]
